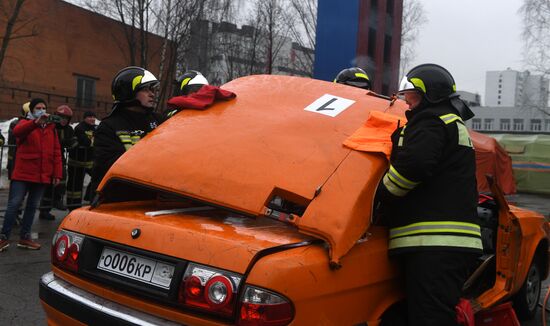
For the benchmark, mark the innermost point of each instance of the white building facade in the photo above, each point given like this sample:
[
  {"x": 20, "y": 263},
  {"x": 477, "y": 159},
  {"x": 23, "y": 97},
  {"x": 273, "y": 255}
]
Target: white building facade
[
  {"x": 510, "y": 120},
  {"x": 511, "y": 88}
]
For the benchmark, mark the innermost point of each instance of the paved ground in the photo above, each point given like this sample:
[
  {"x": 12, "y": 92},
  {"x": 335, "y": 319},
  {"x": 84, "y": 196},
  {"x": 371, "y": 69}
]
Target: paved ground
[{"x": 20, "y": 269}]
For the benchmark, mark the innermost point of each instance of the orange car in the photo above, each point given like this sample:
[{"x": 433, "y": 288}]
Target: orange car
[{"x": 254, "y": 213}]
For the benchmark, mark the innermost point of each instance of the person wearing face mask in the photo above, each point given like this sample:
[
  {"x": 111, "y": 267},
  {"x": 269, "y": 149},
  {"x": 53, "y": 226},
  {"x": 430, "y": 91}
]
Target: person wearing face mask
[
  {"x": 131, "y": 118},
  {"x": 37, "y": 164},
  {"x": 53, "y": 196}
]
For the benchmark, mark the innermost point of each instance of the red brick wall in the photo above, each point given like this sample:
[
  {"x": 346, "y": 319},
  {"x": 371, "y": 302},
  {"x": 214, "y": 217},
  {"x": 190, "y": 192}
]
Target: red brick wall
[{"x": 71, "y": 41}]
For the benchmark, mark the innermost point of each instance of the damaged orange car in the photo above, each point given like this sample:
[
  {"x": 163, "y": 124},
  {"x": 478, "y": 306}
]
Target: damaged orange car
[{"x": 254, "y": 213}]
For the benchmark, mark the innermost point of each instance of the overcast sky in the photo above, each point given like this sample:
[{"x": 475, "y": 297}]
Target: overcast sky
[{"x": 470, "y": 37}]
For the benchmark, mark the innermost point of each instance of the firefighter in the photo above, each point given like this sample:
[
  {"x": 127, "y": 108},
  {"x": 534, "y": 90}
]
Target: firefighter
[
  {"x": 188, "y": 83},
  {"x": 355, "y": 77},
  {"x": 429, "y": 196},
  {"x": 53, "y": 195},
  {"x": 81, "y": 160},
  {"x": 132, "y": 117}
]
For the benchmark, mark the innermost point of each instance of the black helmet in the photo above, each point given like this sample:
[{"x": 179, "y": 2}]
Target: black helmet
[
  {"x": 355, "y": 76},
  {"x": 129, "y": 81},
  {"x": 190, "y": 82},
  {"x": 434, "y": 82}
]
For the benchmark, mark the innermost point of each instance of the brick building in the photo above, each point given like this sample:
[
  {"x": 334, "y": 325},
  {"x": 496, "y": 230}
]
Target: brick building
[
  {"x": 360, "y": 33},
  {"x": 72, "y": 59}
]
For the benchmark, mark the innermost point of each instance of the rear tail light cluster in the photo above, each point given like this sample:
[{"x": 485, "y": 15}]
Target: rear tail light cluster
[
  {"x": 66, "y": 249},
  {"x": 215, "y": 291},
  {"x": 265, "y": 308},
  {"x": 209, "y": 289}
]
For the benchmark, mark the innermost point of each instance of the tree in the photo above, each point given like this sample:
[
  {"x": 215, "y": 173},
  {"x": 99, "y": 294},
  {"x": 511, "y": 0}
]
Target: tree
[
  {"x": 303, "y": 31},
  {"x": 173, "y": 19},
  {"x": 536, "y": 35},
  {"x": 414, "y": 17},
  {"x": 134, "y": 14},
  {"x": 15, "y": 27},
  {"x": 273, "y": 26}
]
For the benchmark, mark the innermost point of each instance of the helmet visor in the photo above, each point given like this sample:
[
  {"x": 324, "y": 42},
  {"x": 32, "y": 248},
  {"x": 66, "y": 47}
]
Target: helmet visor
[
  {"x": 405, "y": 85},
  {"x": 198, "y": 80},
  {"x": 358, "y": 83}
]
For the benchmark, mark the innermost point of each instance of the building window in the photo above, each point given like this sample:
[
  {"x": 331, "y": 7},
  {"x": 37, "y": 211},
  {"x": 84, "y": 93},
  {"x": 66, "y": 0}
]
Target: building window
[
  {"x": 499, "y": 96},
  {"x": 387, "y": 49},
  {"x": 536, "y": 125},
  {"x": 504, "y": 124},
  {"x": 372, "y": 42},
  {"x": 385, "y": 89},
  {"x": 547, "y": 124},
  {"x": 85, "y": 91},
  {"x": 488, "y": 124},
  {"x": 476, "y": 124},
  {"x": 499, "y": 91},
  {"x": 518, "y": 124},
  {"x": 499, "y": 86},
  {"x": 389, "y": 7},
  {"x": 498, "y": 102}
]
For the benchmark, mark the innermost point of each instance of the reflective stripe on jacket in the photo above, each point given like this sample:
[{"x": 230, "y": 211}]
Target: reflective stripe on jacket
[{"x": 436, "y": 234}]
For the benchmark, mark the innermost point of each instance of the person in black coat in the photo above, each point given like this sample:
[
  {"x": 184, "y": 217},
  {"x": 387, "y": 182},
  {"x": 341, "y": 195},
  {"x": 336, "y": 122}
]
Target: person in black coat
[
  {"x": 53, "y": 195},
  {"x": 81, "y": 160},
  {"x": 429, "y": 196},
  {"x": 132, "y": 118}
]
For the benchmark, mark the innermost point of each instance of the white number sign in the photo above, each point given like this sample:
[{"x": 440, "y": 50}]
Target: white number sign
[{"x": 329, "y": 105}]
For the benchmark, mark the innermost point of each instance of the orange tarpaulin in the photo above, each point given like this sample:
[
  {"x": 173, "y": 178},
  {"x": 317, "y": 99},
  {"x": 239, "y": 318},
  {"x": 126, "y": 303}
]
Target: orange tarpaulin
[
  {"x": 375, "y": 134},
  {"x": 492, "y": 159}
]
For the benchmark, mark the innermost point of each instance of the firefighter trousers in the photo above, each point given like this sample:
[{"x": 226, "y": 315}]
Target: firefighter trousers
[
  {"x": 75, "y": 185},
  {"x": 434, "y": 281}
]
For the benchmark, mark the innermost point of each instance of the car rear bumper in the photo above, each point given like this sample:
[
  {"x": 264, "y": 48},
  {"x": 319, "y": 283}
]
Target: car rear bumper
[{"x": 90, "y": 308}]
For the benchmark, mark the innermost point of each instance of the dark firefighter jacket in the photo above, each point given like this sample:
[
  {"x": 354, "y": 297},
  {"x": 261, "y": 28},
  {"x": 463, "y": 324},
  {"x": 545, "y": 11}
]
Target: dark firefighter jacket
[
  {"x": 115, "y": 135},
  {"x": 67, "y": 142},
  {"x": 82, "y": 156},
  {"x": 66, "y": 136},
  {"x": 429, "y": 193}
]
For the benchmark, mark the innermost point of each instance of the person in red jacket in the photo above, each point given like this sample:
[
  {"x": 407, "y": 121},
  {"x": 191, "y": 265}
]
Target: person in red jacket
[{"x": 37, "y": 164}]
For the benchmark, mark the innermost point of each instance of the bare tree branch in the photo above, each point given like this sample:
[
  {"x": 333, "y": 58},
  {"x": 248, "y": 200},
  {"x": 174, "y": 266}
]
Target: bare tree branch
[
  {"x": 536, "y": 35},
  {"x": 9, "y": 29},
  {"x": 414, "y": 17}
]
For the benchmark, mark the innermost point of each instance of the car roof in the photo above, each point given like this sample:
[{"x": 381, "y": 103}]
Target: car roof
[{"x": 276, "y": 137}]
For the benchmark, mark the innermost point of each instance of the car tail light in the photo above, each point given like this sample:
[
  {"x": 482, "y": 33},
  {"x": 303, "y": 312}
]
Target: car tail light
[
  {"x": 209, "y": 289},
  {"x": 66, "y": 249},
  {"x": 262, "y": 307}
]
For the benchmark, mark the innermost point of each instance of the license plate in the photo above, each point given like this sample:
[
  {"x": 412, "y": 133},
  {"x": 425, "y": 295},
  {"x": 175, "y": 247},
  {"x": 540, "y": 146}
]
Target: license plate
[{"x": 136, "y": 267}]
